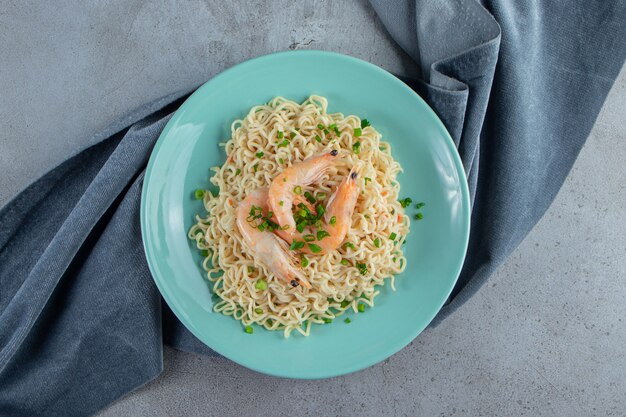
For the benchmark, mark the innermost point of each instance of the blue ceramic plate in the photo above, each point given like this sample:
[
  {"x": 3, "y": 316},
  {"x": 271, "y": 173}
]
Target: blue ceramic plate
[{"x": 433, "y": 173}]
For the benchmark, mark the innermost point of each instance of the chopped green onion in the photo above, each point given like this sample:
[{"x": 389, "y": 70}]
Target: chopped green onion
[
  {"x": 285, "y": 227},
  {"x": 392, "y": 236},
  {"x": 300, "y": 226},
  {"x": 345, "y": 303},
  {"x": 326, "y": 132},
  {"x": 333, "y": 220},
  {"x": 382, "y": 148},
  {"x": 320, "y": 210},
  {"x": 281, "y": 161},
  {"x": 367, "y": 179},
  {"x": 302, "y": 213},
  {"x": 255, "y": 167},
  {"x": 199, "y": 232},
  {"x": 292, "y": 135},
  {"x": 280, "y": 134},
  {"x": 261, "y": 285},
  {"x": 345, "y": 262},
  {"x": 365, "y": 123},
  {"x": 249, "y": 329},
  {"x": 199, "y": 194},
  {"x": 262, "y": 227},
  {"x": 320, "y": 196},
  {"x": 238, "y": 171},
  {"x": 318, "y": 138},
  {"x": 356, "y": 148},
  {"x": 318, "y": 223},
  {"x": 361, "y": 308},
  {"x": 283, "y": 143},
  {"x": 309, "y": 197},
  {"x": 308, "y": 238},
  {"x": 377, "y": 242},
  {"x": 347, "y": 320},
  {"x": 297, "y": 189},
  {"x": 260, "y": 154},
  {"x": 281, "y": 203},
  {"x": 251, "y": 269},
  {"x": 321, "y": 234},
  {"x": 204, "y": 253},
  {"x": 320, "y": 126},
  {"x": 349, "y": 245},
  {"x": 357, "y": 132},
  {"x": 327, "y": 320},
  {"x": 314, "y": 248},
  {"x": 304, "y": 262},
  {"x": 295, "y": 245},
  {"x": 420, "y": 205},
  {"x": 419, "y": 216},
  {"x": 297, "y": 129},
  {"x": 362, "y": 268},
  {"x": 258, "y": 310},
  {"x": 405, "y": 202}
]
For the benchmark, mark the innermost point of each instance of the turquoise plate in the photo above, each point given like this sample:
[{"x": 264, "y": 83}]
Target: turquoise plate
[{"x": 433, "y": 173}]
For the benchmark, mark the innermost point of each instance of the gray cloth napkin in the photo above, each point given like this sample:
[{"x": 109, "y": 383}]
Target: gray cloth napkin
[{"x": 81, "y": 322}]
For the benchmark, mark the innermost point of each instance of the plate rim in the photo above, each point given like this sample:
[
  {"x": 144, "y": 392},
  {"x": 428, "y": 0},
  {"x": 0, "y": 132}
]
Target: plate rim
[{"x": 466, "y": 209}]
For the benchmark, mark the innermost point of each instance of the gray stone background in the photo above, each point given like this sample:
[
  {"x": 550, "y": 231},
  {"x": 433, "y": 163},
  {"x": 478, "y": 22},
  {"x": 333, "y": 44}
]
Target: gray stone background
[{"x": 545, "y": 336}]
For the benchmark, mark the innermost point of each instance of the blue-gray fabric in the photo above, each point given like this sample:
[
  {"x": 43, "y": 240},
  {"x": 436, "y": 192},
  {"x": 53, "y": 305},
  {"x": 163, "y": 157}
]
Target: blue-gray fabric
[{"x": 518, "y": 85}]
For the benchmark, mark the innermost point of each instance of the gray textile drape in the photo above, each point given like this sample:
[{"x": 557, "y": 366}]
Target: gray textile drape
[{"x": 518, "y": 85}]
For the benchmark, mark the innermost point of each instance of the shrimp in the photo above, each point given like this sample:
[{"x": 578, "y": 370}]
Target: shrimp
[
  {"x": 267, "y": 248},
  {"x": 281, "y": 192},
  {"x": 337, "y": 217}
]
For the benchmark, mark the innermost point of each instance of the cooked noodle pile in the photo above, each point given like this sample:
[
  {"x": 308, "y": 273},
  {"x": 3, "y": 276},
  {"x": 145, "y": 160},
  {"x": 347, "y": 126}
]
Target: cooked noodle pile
[{"x": 285, "y": 132}]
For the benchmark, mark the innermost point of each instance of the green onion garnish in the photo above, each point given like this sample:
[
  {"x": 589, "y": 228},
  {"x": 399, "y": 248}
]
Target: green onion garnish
[
  {"x": 362, "y": 268},
  {"x": 249, "y": 329},
  {"x": 260, "y": 154},
  {"x": 304, "y": 262},
  {"x": 326, "y": 132},
  {"x": 297, "y": 189},
  {"x": 392, "y": 236},
  {"x": 349, "y": 245},
  {"x": 285, "y": 227},
  {"x": 295, "y": 245},
  {"x": 308, "y": 238},
  {"x": 318, "y": 138},
  {"x": 356, "y": 148},
  {"x": 280, "y": 134},
  {"x": 320, "y": 210},
  {"x": 314, "y": 248},
  {"x": 199, "y": 194},
  {"x": 333, "y": 220},
  {"x": 309, "y": 197},
  {"x": 345, "y": 303},
  {"x": 281, "y": 203},
  {"x": 420, "y": 205},
  {"x": 327, "y": 320},
  {"x": 292, "y": 135},
  {"x": 419, "y": 216},
  {"x": 365, "y": 123},
  {"x": 345, "y": 262},
  {"x": 238, "y": 171},
  {"x": 405, "y": 202},
  {"x": 283, "y": 143},
  {"x": 300, "y": 226},
  {"x": 367, "y": 179},
  {"x": 357, "y": 132},
  {"x": 321, "y": 234},
  {"x": 260, "y": 285},
  {"x": 204, "y": 253},
  {"x": 377, "y": 242},
  {"x": 320, "y": 196},
  {"x": 255, "y": 167},
  {"x": 347, "y": 320},
  {"x": 258, "y": 310},
  {"x": 361, "y": 308},
  {"x": 281, "y": 161},
  {"x": 320, "y": 126}
]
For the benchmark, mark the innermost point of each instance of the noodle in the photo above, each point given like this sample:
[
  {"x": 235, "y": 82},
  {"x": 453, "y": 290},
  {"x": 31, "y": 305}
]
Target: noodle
[{"x": 378, "y": 216}]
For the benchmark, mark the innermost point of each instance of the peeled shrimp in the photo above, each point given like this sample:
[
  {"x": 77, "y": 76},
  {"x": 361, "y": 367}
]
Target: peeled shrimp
[
  {"x": 281, "y": 192},
  {"x": 267, "y": 248},
  {"x": 337, "y": 217}
]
